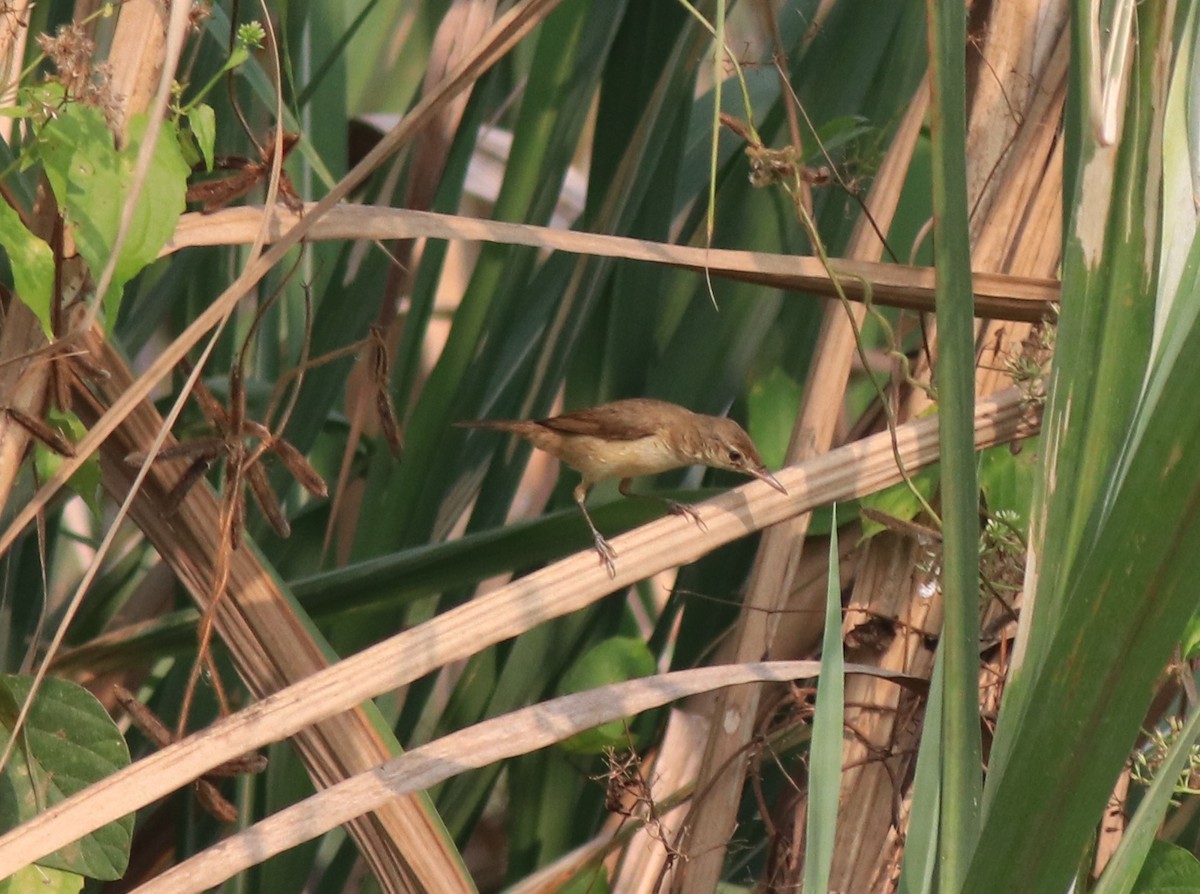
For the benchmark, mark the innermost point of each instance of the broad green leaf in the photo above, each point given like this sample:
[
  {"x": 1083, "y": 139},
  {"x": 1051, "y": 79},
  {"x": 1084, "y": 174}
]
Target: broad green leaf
[
  {"x": 1007, "y": 479},
  {"x": 67, "y": 743},
  {"x": 32, "y": 264},
  {"x": 617, "y": 658},
  {"x": 836, "y": 133},
  {"x": 202, "y": 121},
  {"x": 1138, "y": 845},
  {"x": 1169, "y": 869},
  {"x": 1189, "y": 643},
  {"x": 773, "y": 401},
  {"x": 82, "y": 165},
  {"x": 161, "y": 200},
  {"x": 92, "y": 179},
  {"x": 43, "y": 880},
  {"x": 86, "y": 481},
  {"x": 1129, "y": 596},
  {"x": 899, "y": 501}
]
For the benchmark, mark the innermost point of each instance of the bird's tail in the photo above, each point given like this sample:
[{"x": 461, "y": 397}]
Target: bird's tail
[{"x": 512, "y": 425}]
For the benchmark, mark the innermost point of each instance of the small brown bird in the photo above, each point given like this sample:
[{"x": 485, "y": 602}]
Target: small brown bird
[{"x": 628, "y": 438}]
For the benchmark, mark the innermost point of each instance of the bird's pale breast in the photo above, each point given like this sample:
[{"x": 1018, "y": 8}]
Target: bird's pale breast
[{"x": 599, "y": 459}]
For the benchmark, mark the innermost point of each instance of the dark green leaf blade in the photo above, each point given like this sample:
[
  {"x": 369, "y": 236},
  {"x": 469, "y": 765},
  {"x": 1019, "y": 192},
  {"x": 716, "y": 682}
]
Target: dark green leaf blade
[{"x": 67, "y": 743}]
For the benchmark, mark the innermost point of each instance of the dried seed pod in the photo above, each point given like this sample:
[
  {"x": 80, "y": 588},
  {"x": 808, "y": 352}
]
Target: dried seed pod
[
  {"x": 210, "y": 447},
  {"x": 387, "y": 422},
  {"x": 381, "y": 380},
  {"x": 143, "y": 718},
  {"x": 250, "y": 762},
  {"x": 233, "y": 503},
  {"x": 197, "y": 470},
  {"x": 300, "y": 468},
  {"x": 60, "y": 379},
  {"x": 257, "y": 430},
  {"x": 266, "y": 500},
  {"x": 42, "y": 431},
  {"x": 212, "y": 409},
  {"x": 82, "y": 360},
  {"x": 209, "y": 797}
]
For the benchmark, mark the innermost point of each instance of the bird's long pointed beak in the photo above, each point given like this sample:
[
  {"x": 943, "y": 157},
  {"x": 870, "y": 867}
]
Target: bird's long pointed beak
[{"x": 764, "y": 475}]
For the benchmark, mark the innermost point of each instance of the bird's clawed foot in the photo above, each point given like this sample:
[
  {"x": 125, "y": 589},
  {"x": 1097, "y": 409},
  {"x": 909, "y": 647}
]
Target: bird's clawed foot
[
  {"x": 608, "y": 555},
  {"x": 684, "y": 509}
]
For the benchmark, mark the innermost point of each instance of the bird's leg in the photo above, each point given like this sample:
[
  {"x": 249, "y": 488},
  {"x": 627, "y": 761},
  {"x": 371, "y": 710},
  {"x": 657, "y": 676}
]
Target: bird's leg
[
  {"x": 676, "y": 508},
  {"x": 608, "y": 555}
]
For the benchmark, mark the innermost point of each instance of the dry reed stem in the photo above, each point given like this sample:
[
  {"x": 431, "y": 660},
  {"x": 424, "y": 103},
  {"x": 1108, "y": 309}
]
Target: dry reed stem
[
  {"x": 24, "y": 377},
  {"x": 14, "y": 33},
  {"x": 137, "y": 56},
  {"x": 997, "y": 296}
]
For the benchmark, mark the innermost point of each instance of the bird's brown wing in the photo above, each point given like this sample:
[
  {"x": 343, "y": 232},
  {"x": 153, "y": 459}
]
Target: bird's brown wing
[{"x": 622, "y": 420}]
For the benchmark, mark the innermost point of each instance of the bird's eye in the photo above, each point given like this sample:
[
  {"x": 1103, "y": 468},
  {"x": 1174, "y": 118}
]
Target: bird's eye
[{"x": 734, "y": 456}]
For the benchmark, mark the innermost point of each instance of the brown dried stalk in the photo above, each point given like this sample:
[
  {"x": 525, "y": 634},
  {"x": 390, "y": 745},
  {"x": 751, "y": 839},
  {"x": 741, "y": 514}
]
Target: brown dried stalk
[{"x": 381, "y": 381}]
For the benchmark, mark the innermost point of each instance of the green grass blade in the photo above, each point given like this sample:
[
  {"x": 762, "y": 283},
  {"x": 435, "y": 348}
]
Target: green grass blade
[
  {"x": 825, "y": 765},
  {"x": 961, "y": 747},
  {"x": 921, "y": 841}
]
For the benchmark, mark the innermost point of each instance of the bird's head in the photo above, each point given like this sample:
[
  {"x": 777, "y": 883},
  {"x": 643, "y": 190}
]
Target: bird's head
[{"x": 726, "y": 445}]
